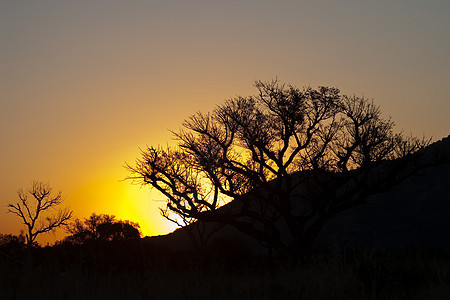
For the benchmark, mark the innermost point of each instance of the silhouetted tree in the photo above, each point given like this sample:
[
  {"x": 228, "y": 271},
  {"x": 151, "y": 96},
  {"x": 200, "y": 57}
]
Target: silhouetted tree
[
  {"x": 40, "y": 213},
  {"x": 102, "y": 228},
  {"x": 10, "y": 240},
  {"x": 198, "y": 232},
  {"x": 12, "y": 246},
  {"x": 289, "y": 158}
]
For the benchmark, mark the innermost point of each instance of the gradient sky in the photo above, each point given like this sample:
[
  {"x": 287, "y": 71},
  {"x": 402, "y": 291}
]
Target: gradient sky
[{"x": 84, "y": 84}]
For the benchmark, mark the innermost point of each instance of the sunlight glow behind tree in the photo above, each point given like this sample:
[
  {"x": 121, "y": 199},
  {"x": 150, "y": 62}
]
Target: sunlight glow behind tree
[{"x": 308, "y": 154}]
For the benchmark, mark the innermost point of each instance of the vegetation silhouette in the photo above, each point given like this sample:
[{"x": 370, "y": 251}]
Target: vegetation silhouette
[
  {"x": 139, "y": 269},
  {"x": 101, "y": 227},
  {"x": 286, "y": 159},
  {"x": 147, "y": 268},
  {"x": 289, "y": 159},
  {"x": 12, "y": 247},
  {"x": 40, "y": 214}
]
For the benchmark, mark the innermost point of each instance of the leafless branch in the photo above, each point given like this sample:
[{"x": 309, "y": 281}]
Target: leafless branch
[{"x": 32, "y": 212}]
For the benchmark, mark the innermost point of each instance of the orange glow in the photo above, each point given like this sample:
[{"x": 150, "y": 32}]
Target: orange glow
[
  {"x": 106, "y": 192},
  {"x": 83, "y": 85}
]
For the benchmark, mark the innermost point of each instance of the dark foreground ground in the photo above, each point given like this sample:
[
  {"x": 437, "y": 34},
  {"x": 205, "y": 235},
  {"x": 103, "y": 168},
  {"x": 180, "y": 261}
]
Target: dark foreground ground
[{"x": 134, "y": 270}]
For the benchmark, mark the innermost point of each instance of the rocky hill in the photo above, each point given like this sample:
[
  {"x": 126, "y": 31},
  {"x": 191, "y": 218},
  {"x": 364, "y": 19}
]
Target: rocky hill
[{"x": 414, "y": 212}]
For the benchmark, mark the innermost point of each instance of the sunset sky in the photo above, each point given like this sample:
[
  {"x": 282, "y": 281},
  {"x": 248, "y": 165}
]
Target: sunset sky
[{"x": 84, "y": 84}]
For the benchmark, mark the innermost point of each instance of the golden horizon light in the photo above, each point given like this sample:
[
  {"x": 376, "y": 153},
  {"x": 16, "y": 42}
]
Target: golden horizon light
[{"x": 84, "y": 85}]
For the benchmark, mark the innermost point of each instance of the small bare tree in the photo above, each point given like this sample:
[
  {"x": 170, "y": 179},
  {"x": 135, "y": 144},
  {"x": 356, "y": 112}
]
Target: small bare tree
[{"x": 36, "y": 212}]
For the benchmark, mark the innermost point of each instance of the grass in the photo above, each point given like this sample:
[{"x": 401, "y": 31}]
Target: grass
[{"x": 116, "y": 272}]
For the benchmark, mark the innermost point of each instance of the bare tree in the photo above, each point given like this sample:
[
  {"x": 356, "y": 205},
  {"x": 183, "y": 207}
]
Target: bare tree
[
  {"x": 39, "y": 214},
  {"x": 198, "y": 231},
  {"x": 289, "y": 159}
]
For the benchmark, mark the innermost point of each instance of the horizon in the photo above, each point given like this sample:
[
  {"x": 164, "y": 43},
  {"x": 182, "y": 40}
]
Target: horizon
[{"x": 84, "y": 85}]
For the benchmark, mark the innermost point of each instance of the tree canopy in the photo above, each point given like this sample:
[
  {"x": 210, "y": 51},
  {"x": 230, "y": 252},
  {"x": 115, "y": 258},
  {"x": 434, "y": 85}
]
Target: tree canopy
[
  {"x": 289, "y": 159},
  {"x": 102, "y": 228}
]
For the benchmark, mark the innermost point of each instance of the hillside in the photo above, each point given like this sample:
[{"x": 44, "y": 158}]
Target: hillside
[{"x": 416, "y": 211}]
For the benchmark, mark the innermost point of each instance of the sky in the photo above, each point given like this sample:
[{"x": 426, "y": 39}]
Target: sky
[{"x": 85, "y": 84}]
